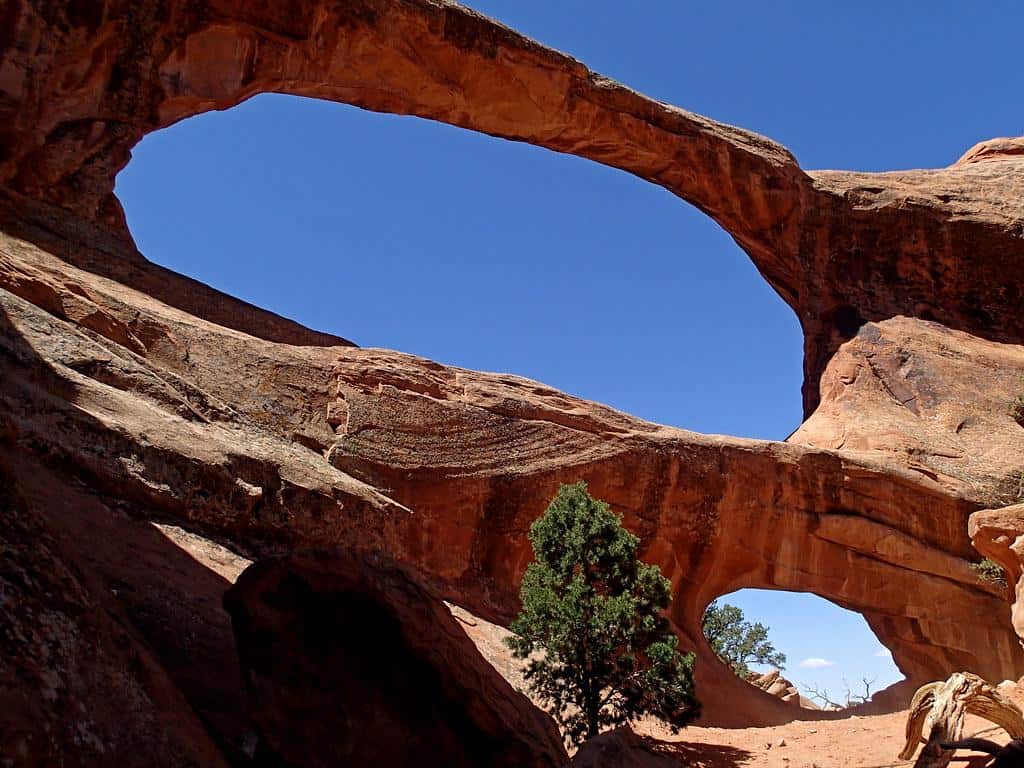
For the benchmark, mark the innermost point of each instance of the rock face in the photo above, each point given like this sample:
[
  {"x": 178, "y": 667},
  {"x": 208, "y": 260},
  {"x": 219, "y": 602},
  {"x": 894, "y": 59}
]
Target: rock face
[
  {"x": 933, "y": 400},
  {"x": 349, "y": 661},
  {"x": 622, "y": 748},
  {"x": 774, "y": 684},
  {"x": 161, "y": 399},
  {"x": 999, "y": 535},
  {"x": 82, "y": 84},
  {"x": 77, "y": 685},
  {"x": 272, "y": 446}
]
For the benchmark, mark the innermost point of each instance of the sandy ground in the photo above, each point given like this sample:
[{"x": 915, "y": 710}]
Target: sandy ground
[{"x": 854, "y": 742}]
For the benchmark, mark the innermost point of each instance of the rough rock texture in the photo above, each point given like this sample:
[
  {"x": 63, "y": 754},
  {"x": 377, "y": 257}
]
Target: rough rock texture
[
  {"x": 271, "y": 445},
  {"x": 349, "y": 661},
  {"x": 928, "y": 398},
  {"x": 77, "y": 685},
  {"x": 774, "y": 684},
  {"x": 159, "y": 584},
  {"x": 999, "y": 535},
  {"x": 82, "y": 83},
  {"x": 166, "y": 400}
]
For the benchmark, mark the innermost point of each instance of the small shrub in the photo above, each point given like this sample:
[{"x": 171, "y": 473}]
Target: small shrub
[
  {"x": 1016, "y": 409},
  {"x": 600, "y": 651},
  {"x": 990, "y": 571},
  {"x": 738, "y": 642}
]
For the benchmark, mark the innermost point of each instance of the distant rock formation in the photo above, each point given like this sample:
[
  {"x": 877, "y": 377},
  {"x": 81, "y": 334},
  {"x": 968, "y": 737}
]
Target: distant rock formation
[{"x": 774, "y": 684}]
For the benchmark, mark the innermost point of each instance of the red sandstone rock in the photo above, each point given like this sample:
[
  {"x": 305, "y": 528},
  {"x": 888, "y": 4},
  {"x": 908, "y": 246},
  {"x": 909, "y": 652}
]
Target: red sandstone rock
[
  {"x": 622, "y": 748},
  {"x": 271, "y": 446},
  {"x": 171, "y": 401},
  {"x": 81, "y": 85},
  {"x": 993, "y": 149},
  {"x": 930, "y": 399},
  {"x": 349, "y": 661},
  {"x": 77, "y": 686},
  {"x": 774, "y": 684},
  {"x": 999, "y": 535}
]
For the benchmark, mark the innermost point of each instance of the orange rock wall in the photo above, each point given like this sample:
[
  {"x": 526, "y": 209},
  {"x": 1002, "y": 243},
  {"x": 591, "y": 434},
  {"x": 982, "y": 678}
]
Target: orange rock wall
[{"x": 168, "y": 400}]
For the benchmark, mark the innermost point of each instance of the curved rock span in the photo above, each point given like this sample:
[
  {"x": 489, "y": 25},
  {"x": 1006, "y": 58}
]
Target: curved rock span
[
  {"x": 167, "y": 400},
  {"x": 82, "y": 85}
]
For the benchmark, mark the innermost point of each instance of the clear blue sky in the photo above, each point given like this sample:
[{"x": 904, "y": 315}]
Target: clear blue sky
[{"x": 401, "y": 233}]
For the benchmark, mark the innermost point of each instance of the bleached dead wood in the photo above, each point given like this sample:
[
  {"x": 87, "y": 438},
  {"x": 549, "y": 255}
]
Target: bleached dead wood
[{"x": 937, "y": 714}]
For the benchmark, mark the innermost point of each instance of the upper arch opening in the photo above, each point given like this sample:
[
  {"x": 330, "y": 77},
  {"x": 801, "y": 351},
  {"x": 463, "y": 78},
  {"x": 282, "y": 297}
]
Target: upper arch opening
[{"x": 417, "y": 236}]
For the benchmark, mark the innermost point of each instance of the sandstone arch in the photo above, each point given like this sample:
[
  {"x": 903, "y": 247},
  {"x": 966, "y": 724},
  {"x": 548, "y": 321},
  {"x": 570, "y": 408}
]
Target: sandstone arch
[
  {"x": 161, "y": 406},
  {"x": 83, "y": 86}
]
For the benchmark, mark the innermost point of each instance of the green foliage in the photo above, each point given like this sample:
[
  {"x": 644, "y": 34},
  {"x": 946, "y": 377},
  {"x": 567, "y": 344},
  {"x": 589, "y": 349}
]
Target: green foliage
[
  {"x": 738, "y": 642},
  {"x": 1017, "y": 409},
  {"x": 1017, "y": 485},
  {"x": 990, "y": 571},
  {"x": 600, "y": 651}
]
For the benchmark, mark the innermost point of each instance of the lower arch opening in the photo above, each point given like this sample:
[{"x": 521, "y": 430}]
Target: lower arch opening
[{"x": 800, "y": 648}]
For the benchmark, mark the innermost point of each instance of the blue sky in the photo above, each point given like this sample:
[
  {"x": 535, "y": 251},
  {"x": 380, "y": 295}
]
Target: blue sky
[{"x": 401, "y": 233}]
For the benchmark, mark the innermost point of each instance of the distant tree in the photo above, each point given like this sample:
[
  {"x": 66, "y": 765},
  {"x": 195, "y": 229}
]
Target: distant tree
[
  {"x": 738, "y": 642},
  {"x": 821, "y": 695},
  {"x": 600, "y": 650}
]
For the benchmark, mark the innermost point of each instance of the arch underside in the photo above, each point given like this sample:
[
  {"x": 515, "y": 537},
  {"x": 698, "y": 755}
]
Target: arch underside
[{"x": 202, "y": 410}]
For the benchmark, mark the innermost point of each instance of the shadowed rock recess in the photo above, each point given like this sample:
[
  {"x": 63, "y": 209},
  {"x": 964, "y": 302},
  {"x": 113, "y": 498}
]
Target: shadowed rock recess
[
  {"x": 350, "y": 662},
  {"x": 148, "y": 396}
]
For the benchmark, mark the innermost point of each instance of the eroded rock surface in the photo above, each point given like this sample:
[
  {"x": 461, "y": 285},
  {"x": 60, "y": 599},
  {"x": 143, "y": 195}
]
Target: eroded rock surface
[
  {"x": 349, "y": 661},
  {"x": 77, "y": 685},
  {"x": 928, "y": 398},
  {"x": 272, "y": 446},
  {"x": 774, "y": 684},
  {"x": 622, "y": 748},
  {"x": 170, "y": 401},
  {"x": 82, "y": 84},
  {"x": 999, "y": 535}
]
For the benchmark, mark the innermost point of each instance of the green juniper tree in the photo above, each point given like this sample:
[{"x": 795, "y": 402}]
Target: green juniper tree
[
  {"x": 600, "y": 651},
  {"x": 738, "y": 642}
]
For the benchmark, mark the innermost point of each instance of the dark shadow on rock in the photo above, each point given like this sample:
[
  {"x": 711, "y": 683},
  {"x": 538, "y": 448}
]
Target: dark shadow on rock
[
  {"x": 78, "y": 685},
  {"x": 350, "y": 660},
  {"x": 166, "y": 607},
  {"x": 172, "y": 600}
]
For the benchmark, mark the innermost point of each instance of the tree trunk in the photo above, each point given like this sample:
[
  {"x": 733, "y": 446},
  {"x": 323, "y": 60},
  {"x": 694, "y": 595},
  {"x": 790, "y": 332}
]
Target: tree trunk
[
  {"x": 938, "y": 710},
  {"x": 593, "y": 709}
]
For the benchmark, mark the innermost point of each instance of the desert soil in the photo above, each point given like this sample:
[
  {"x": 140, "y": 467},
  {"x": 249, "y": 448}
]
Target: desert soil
[{"x": 855, "y": 742}]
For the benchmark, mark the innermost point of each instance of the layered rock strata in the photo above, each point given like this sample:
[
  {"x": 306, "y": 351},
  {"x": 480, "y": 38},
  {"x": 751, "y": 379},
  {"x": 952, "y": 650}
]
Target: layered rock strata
[
  {"x": 999, "y": 535},
  {"x": 165, "y": 400},
  {"x": 271, "y": 446}
]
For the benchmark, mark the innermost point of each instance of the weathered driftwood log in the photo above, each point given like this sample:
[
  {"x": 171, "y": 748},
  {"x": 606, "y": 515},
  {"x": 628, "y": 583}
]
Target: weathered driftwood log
[{"x": 937, "y": 714}]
